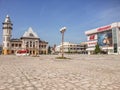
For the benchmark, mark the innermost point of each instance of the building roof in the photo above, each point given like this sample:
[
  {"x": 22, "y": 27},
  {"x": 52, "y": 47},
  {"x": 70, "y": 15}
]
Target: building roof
[
  {"x": 15, "y": 40},
  {"x": 30, "y": 34},
  {"x": 103, "y": 28}
]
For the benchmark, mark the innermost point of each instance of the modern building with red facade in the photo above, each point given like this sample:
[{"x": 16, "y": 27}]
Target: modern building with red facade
[{"x": 108, "y": 38}]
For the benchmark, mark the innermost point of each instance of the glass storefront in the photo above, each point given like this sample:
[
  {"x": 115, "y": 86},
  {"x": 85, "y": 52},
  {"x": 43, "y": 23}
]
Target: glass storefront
[{"x": 115, "y": 39}]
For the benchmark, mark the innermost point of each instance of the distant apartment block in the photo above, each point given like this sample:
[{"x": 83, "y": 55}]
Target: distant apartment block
[{"x": 72, "y": 48}]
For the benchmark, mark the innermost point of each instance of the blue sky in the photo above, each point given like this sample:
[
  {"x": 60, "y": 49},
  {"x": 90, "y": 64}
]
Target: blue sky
[{"x": 47, "y": 17}]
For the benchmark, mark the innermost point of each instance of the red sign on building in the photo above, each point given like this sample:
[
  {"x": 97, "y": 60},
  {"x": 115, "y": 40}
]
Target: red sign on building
[
  {"x": 92, "y": 37},
  {"x": 103, "y": 28}
]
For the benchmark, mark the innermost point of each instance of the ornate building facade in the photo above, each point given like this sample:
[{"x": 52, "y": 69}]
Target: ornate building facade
[{"x": 29, "y": 41}]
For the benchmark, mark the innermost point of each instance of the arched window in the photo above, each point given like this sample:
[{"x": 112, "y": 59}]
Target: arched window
[
  {"x": 27, "y": 44},
  {"x": 30, "y": 43},
  {"x": 31, "y": 35}
]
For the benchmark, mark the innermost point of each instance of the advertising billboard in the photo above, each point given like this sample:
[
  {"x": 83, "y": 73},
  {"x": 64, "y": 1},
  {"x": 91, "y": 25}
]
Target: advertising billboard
[{"x": 105, "y": 38}]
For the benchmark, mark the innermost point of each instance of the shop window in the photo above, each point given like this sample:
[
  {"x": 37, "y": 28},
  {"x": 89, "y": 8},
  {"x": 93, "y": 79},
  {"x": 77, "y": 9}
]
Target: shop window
[{"x": 12, "y": 51}]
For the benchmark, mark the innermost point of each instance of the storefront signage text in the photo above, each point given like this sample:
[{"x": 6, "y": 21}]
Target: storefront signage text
[{"x": 103, "y": 28}]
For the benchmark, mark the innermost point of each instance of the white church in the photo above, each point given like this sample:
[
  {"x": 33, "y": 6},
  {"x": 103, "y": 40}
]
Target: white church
[{"x": 30, "y": 41}]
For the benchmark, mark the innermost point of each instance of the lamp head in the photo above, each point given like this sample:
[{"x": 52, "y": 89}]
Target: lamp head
[{"x": 63, "y": 29}]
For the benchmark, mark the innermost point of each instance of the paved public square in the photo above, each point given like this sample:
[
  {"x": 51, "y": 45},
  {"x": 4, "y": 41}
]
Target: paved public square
[{"x": 81, "y": 72}]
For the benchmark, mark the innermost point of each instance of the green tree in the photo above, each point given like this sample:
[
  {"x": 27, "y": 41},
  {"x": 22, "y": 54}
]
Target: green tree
[{"x": 97, "y": 49}]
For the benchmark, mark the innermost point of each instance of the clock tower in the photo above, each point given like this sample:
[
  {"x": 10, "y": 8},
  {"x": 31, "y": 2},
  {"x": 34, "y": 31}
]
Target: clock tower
[{"x": 7, "y": 29}]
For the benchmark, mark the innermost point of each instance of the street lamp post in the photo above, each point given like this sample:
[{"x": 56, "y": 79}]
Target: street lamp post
[{"x": 62, "y": 30}]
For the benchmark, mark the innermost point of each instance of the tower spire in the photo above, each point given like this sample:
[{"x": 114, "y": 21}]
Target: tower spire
[
  {"x": 7, "y": 15},
  {"x": 7, "y": 19}
]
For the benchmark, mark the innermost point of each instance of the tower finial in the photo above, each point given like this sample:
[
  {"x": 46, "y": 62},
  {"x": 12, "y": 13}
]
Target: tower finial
[
  {"x": 7, "y": 15},
  {"x": 7, "y": 19}
]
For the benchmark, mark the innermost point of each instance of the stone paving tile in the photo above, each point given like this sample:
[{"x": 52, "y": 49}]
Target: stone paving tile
[{"x": 81, "y": 72}]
